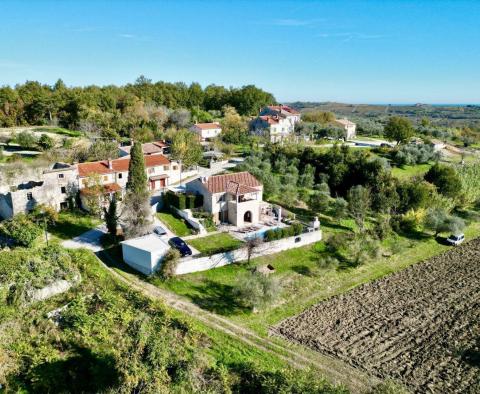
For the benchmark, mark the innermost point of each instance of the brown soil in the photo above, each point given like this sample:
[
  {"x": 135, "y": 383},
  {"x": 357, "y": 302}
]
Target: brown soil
[{"x": 420, "y": 326}]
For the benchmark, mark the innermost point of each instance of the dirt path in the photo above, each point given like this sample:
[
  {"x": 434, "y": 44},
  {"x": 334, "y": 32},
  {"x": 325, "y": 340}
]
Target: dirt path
[{"x": 335, "y": 370}]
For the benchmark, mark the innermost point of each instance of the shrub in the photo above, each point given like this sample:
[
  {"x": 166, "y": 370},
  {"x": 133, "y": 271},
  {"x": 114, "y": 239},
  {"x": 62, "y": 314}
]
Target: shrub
[
  {"x": 169, "y": 264},
  {"x": 256, "y": 290},
  {"x": 297, "y": 228},
  {"x": 446, "y": 179},
  {"x": 21, "y": 230}
]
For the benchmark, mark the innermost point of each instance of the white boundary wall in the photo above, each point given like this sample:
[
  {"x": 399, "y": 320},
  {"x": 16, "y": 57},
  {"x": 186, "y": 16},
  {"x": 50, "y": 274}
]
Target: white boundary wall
[
  {"x": 192, "y": 264},
  {"x": 188, "y": 216}
]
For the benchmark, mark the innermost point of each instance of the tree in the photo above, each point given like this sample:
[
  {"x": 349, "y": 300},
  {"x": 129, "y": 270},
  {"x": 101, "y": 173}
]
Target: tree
[
  {"x": 186, "y": 148},
  {"x": 307, "y": 178},
  {"x": 234, "y": 128},
  {"x": 46, "y": 142},
  {"x": 339, "y": 208},
  {"x": 255, "y": 290},
  {"x": 136, "y": 212},
  {"x": 398, "y": 129},
  {"x": 439, "y": 221},
  {"x": 320, "y": 199},
  {"x": 111, "y": 217},
  {"x": 446, "y": 179},
  {"x": 251, "y": 245},
  {"x": 359, "y": 203},
  {"x": 321, "y": 117}
]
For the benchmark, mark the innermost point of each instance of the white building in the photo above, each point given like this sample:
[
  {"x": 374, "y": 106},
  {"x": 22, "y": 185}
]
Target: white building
[
  {"x": 207, "y": 131},
  {"x": 52, "y": 188},
  {"x": 349, "y": 127},
  {"x": 145, "y": 254},
  {"x": 275, "y": 122},
  {"x": 235, "y": 198}
]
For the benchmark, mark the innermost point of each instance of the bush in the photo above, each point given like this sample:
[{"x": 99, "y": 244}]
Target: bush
[
  {"x": 21, "y": 230},
  {"x": 297, "y": 228},
  {"x": 446, "y": 179},
  {"x": 256, "y": 290},
  {"x": 169, "y": 264}
]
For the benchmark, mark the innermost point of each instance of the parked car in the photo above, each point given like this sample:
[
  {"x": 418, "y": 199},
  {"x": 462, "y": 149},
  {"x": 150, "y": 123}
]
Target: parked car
[
  {"x": 179, "y": 244},
  {"x": 455, "y": 240},
  {"x": 159, "y": 230}
]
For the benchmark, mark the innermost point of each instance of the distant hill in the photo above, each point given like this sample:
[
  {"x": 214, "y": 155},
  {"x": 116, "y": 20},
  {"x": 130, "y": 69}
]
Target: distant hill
[{"x": 448, "y": 115}]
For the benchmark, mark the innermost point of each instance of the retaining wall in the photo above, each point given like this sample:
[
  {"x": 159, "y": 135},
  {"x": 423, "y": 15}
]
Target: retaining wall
[{"x": 192, "y": 264}]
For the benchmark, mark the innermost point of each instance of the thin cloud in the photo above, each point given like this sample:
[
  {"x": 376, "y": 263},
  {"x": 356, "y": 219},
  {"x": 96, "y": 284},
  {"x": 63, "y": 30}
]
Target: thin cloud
[
  {"x": 350, "y": 36},
  {"x": 291, "y": 22},
  {"x": 126, "y": 35}
]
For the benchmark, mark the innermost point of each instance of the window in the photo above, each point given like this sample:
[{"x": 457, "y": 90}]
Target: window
[
  {"x": 222, "y": 198},
  {"x": 61, "y": 176},
  {"x": 165, "y": 168},
  {"x": 105, "y": 177},
  {"x": 120, "y": 176},
  {"x": 175, "y": 168},
  {"x": 63, "y": 189},
  {"x": 151, "y": 170},
  {"x": 29, "y": 196}
]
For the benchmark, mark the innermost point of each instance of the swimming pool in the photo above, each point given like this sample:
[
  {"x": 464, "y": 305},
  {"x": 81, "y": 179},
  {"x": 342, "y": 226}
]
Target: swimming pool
[{"x": 261, "y": 233}]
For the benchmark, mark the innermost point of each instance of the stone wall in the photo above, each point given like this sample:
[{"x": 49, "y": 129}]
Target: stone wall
[{"x": 192, "y": 264}]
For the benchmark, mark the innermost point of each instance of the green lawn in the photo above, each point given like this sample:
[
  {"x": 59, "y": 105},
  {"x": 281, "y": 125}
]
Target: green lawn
[
  {"x": 72, "y": 224},
  {"x": 176, "y": 225},
  {"x": 304, "y": 283},
  {"x": 216, "y": 243},
  {"x": 58, "y": 130},
  {"x": 407, "y": 172}
]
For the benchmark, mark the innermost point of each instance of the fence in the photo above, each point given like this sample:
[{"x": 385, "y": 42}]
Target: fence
[{"x": 192, "y": 264}]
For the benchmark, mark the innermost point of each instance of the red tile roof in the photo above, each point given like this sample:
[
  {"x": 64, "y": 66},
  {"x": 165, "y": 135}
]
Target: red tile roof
[
  {"x": 285, "y": 108},
  {"x": 118, "y": 165},
  {"x": 269, "y": 119},
  {"x": 208, "y": 126},
  {"x": 238, "y": 182}
]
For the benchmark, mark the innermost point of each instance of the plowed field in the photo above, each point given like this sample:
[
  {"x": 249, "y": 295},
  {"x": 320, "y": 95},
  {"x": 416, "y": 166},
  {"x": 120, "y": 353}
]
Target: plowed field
[{"x": 420, "y": 326}]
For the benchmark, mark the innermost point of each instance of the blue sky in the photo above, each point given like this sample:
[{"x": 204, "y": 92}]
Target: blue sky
[{"x": 351, "y": 51}]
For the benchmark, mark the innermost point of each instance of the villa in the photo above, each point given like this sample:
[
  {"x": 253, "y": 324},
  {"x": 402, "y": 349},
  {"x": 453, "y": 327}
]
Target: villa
[
  {"x": 275, "y": 122},
  {"x": 231, "y": 198}
]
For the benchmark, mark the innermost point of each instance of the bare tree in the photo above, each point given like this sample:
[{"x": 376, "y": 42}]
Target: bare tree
[{"x": 251, "y": 246}]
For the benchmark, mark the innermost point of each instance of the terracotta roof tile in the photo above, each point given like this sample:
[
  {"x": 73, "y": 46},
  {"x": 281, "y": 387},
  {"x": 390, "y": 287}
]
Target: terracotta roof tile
[
  {"x": 246, "y": 182},
  {"x": 208, "y": 126},
  {"x": 118, "y": 165},
  {"x": 148, "y": 148},
  {"x": 285, "y": 108}
]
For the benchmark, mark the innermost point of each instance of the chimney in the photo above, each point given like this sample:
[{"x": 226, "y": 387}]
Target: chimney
[{"x": 110, "y": 164}]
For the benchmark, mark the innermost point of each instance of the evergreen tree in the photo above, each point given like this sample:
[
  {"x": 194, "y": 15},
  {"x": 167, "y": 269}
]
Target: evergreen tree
[
  {"x": 137, "y": 176},
  {"x": 111, "y": 218},
  {"x": 136, "y": 212}
]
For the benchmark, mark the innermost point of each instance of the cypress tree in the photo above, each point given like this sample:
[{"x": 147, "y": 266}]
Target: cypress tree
[{"x": 137, "y": 177}]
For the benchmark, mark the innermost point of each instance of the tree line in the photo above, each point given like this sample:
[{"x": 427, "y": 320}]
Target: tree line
[{"x": 120, "y": 110}]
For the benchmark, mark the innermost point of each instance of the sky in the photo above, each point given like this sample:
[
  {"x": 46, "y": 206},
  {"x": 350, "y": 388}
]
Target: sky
[{"x": 358, "y": 51}]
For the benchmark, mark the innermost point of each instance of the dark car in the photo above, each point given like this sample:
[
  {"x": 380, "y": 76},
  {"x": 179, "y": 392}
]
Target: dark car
[{"x": 179, "y": 244}]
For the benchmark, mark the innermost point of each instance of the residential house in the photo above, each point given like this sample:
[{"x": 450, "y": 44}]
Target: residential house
[
  {"x": 149, "y": 148},
  {"x": 275, "y": 122},
  {"x": 113, "y": 174},
  {"x": 235, "y": 198},
  {"x": 207, "y": 131},
  {"x": 349, "y": 127},
  {"x": 53, "y": 188}
]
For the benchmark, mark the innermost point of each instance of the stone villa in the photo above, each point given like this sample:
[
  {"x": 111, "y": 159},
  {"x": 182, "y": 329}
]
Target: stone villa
[
  {"x": 276, "y": 122},
  {"x": 234, "y": 198}
]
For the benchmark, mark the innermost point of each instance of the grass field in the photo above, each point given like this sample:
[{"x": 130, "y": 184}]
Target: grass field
[
  {"x": 406, "y": 172},
  {"x": 58, "y": 130},
  {"x": 304, "y": 283},
  {"x": 215, "y": 243},
  {"x": 176, "y": 225},
  {"x": 72, "y": 224}
]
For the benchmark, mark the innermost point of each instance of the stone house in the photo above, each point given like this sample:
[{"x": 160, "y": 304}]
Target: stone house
[
  {"x": 149, "y": 148},
  {"x": 234, "y": 198},
  {"x": 53, "y": 188},
  {"x": 349, "y": 127}
]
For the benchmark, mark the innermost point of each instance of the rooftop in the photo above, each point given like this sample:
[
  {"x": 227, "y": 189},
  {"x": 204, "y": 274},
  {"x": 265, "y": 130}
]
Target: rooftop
[
  {"x": 118, "y": 165},
  {"x": 149, "y": 243},
  {"x": 236, "y": 182},
  {"x": 148, "y": 148},
  {"x": 284, "y": 108},
  {"x": 208, "y": 126},
  {"x": 345, "y": 122}
]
